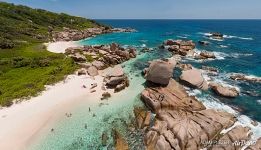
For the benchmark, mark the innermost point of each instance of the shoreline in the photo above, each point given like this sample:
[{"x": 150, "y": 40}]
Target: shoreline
[
  {"x": 42, "y": 111},
  {"x": 60, "y": 46}
]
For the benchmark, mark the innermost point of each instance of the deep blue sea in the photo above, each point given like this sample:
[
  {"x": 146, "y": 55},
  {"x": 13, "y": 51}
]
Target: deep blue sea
[{"x": 239, "y": 52}]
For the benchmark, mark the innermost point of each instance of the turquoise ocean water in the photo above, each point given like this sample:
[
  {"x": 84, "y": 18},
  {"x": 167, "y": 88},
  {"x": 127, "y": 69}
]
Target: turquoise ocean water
[{"x": 239, "y": 52}]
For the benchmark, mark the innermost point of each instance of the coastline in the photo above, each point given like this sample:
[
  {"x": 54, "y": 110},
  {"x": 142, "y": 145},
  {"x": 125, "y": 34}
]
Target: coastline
[
  {"x": 41, "y": 112},
  {"x": 50, "y": 114}
]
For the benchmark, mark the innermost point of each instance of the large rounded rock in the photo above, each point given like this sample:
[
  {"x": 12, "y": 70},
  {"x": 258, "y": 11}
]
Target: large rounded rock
[
  {"x": 224, "y": 91},
  {"x": 194, "y": 79},
  {"x": 92, "y": 71},
  {"x": 160, "y": 72},
  {"x": 116, "y": 71}
]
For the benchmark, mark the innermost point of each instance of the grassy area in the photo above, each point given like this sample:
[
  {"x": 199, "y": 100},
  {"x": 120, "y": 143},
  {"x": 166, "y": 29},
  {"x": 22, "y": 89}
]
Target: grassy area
[
  {"x": 25, "y": 64},
  {"x": 26, "y": 70}
]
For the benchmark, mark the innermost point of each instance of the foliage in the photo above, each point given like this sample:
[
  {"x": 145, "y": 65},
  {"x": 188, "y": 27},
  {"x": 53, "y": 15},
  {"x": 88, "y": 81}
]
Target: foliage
[{"x": 25, "y": 64}]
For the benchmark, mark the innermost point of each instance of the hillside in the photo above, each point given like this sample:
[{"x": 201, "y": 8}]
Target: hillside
[
  {"x": 21, "y": 23},
  {"x": 25, "y": 64}
]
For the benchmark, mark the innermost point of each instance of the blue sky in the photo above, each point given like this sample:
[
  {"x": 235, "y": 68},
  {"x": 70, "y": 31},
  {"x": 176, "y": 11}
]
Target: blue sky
[{"x": 152, "y": 9}]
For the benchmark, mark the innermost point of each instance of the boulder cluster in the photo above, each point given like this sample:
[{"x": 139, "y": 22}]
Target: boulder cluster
[
  {"x": 180, "y": 47},
  {"x": 182, "y": 122},
  {"x": 116, "y": 78},
  {"x": 187, "y": 48},
  {"x": 99, "y": 57}
]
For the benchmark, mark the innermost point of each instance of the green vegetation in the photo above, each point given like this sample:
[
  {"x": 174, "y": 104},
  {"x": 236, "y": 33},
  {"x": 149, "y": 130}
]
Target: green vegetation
[
  {"x": 89, "y": 58},
  {"x": 25, "y": 64}
]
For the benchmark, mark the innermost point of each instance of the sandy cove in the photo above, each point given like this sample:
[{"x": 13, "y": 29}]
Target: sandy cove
[
  {"x": 59, "y": 47},
  {"x": 28, "y": 118}
]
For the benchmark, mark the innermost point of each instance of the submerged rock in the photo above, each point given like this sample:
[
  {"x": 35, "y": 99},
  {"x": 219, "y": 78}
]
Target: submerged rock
[
  {"x": 119, "y": 142},
  {"x": 104, "y": 139},
  {"x": 203, "y": 42},
  {"x": 194, "y": 79},
  {"x": 142, "y": 117}
]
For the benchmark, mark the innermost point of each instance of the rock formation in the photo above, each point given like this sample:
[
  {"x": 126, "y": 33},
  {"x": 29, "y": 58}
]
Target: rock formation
[
  {"x": 224, "y": 91},
  {"x": 242, "y": 77},
  {"x": 216, "y": 35},
  {"x": 233, "y": 139},
  {"x": 172, "y": 96},
  {"x": 194, "y": 79},
  {"x": 116, "y": 78},
  {"x": 160, "y": 71},
  {"x": 181, "y": 122},
  {"x": 179, "y": 47},
  {"x": 205, "y": 55},
  {"x": 75, "y": 34}
]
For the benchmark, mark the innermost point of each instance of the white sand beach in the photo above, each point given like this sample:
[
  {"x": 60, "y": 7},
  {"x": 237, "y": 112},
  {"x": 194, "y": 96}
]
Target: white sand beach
[
  {"x": 21, "y": 122},
  {"x": 27, "y": 118},
  {"x": 59, "y": 47}
]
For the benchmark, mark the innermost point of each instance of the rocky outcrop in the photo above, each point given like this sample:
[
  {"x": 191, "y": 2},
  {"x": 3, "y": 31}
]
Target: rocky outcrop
[
  {"x": 186, "y": 130},
  {"x": 173, "y": 96},
  {"x": 115, "y": 78},
  {"x": 179, "y": 47},
  {"x": 234, "y": 139},
  {"x": 224, "y": 91},
  {"x": 205, "y": 55},
  {"x": 160, "y": 71},
  {"x": 216, "y": 35},
  {"x": 194, "y": 79},
  {"x": 75, "y": 35},
  {"x": 242, "y": 77},
  {"x": 100, "y": 56}
]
